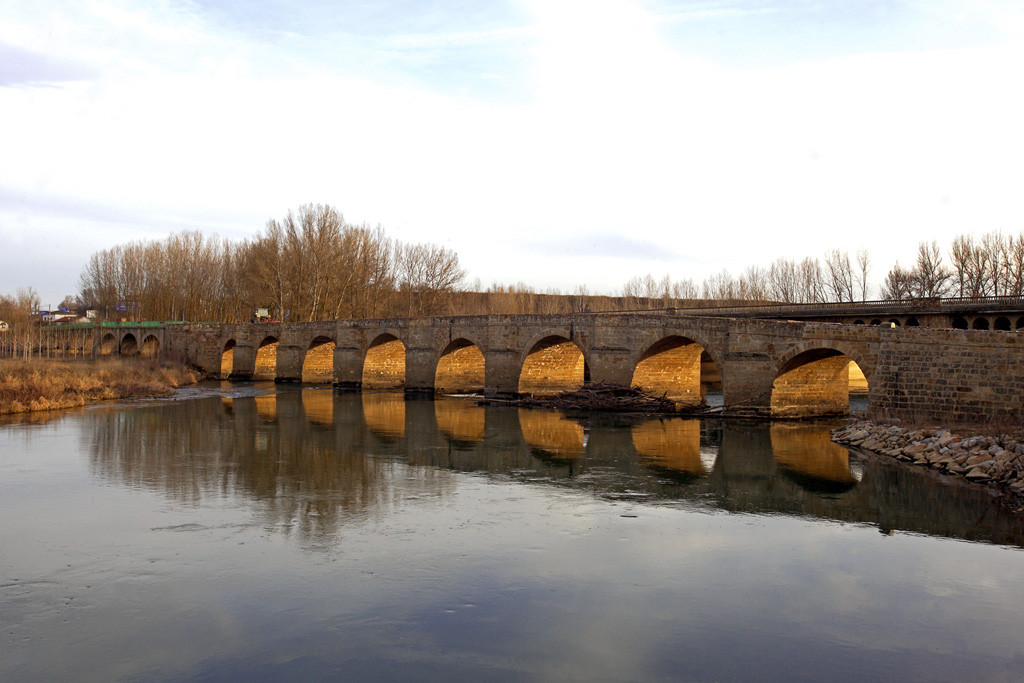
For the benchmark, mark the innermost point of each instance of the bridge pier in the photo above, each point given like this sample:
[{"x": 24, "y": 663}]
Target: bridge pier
[
  {"x": 501, "y": 372},
  {"x": 289, "y": 362},
  {"x": 747, "y": 385},
  {"x": 348, "y": 366},
  {"x": 610, "y": 365},
  {"x": 419, "y": 369},
  {"x": 243, "y": 364}
]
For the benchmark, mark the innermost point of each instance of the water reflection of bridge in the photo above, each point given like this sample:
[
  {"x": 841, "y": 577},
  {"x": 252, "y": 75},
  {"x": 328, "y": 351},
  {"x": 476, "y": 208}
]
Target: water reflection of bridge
[{"x": 312, "y": 457}]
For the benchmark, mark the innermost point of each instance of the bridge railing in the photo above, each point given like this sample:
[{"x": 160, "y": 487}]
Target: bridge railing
[{"x": 875, "y": 307}]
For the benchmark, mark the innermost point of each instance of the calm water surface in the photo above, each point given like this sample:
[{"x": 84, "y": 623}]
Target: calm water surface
[{"x": 262, "y": 532}]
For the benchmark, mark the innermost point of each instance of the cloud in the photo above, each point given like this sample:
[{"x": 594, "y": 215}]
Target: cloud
[
  {"x": 25, "y": 67},
  {"x": 582, "y": 129},
  {"x": 607, "y": 245},
  {"x": 458, "y": 39}
]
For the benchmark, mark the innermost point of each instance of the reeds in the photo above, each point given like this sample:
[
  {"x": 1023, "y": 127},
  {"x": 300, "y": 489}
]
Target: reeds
[{"x": 35, "y": 385}]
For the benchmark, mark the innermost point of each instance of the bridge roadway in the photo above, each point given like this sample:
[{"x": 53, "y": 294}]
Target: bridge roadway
[
  {"x": 1004, "y": 313},
  {"x": 765, "y": 368}
]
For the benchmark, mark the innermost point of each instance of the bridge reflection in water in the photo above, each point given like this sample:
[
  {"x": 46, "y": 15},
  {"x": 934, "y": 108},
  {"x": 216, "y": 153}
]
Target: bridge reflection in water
[{"x": 311, "y": 458}]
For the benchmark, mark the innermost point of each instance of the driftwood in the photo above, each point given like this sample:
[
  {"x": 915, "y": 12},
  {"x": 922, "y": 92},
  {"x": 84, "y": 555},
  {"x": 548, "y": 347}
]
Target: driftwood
[{"x": 605, "y": 398}]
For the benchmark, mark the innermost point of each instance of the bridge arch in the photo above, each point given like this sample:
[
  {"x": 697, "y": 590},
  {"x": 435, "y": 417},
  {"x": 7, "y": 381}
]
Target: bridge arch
[
  {"x": 460, "y": 368},
  {"x": 318, "y": 361},
  {"x": 552, "y": 364},
  {"x": 150, "y": 346},
  {"x": 1002, "y": 323},
  {"x": 107, "y": 345},
  {"x": 675, "y": 366},
  {"x": 960, "y": 323},
  {"x": 384, "y": 363},
  {"x": 266, "y": 359},
  {"x": 129, "y": 345},
  {"x": 813, "y": 380},
  {"x": 227, "y": 359},
  {"x": 980, "y": 323}
]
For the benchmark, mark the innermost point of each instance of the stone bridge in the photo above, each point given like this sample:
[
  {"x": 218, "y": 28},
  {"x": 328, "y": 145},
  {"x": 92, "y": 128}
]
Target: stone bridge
[{"x": 762, "y": 368}]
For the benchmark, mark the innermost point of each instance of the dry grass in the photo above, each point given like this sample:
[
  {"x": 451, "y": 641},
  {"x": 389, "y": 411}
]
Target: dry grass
[{"x": 35, "y": 385}]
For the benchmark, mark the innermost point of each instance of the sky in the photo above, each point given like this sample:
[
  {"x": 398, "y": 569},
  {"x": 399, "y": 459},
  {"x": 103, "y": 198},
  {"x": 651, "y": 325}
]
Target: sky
[{"x": 557, "y": 143}]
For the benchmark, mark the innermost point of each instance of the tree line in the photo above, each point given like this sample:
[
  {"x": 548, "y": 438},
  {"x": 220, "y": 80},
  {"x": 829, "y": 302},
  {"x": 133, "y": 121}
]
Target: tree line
[
  {"x": 17, "y": 312},
  {"x": 974, "y": 266},
  {"x": 989, "y": 265},
  {"x": 310, "y": 265}
]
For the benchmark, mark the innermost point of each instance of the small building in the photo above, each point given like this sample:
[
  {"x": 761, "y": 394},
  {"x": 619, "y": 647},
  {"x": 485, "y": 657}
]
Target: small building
[
  {"x": 4, "y": 326},
  {"x": 59, "y": 318}
]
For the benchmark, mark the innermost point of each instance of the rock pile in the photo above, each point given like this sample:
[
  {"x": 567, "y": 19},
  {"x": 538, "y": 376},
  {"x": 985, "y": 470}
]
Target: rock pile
[{"x": 997, "y": 461}]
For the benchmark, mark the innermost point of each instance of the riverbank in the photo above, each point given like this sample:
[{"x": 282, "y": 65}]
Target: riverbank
[
  {"x": 37, "y": 385},
  {"x": 995, "y": 461}
]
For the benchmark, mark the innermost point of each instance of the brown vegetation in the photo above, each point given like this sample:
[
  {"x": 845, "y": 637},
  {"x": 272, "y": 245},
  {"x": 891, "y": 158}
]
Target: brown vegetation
[
  {"x": 35, "y": 385},
  {"x": 311, "y": 265},
  {"x": 990, "y": 265}
]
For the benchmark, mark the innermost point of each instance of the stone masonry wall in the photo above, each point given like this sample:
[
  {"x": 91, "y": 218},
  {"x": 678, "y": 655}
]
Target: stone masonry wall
[{"x": 957, "y": 377}]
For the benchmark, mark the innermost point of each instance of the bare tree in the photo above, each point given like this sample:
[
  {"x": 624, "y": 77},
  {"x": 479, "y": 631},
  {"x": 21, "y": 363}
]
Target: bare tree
[
  {"x": 1014, "y": 258},
  {"x": 898, "y": 285},
  {"x": 812, "y": 281},
  {"x": 931, "y": 278},
  {"x": 863, "y": 267},
  {"x": 784, "y": 281},
  {"x": 839, "y": 275}
]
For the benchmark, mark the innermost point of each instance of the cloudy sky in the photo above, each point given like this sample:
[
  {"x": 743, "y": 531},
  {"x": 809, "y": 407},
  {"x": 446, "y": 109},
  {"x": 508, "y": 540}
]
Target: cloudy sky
[{"x": 554, "y": 142}]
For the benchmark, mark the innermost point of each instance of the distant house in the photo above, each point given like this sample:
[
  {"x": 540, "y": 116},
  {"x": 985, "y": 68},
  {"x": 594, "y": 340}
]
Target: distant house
[
  {"x": 4, "y": 326},
  {"x": 58, "y": 317}
]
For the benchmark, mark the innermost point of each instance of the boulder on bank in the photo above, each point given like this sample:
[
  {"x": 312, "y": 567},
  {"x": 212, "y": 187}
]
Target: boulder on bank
[{"x": 997, "y": 461}]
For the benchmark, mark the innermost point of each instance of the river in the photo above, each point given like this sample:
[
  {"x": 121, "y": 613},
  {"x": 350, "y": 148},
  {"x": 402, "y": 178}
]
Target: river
[{"x": 254, "y": 531}]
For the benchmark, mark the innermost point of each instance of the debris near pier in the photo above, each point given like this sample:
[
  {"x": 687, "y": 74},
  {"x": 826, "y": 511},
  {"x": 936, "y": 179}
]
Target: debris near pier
[
  {"x": 601, "y": 397},
  {"x": 610, "y": 397}
]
